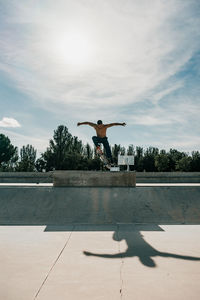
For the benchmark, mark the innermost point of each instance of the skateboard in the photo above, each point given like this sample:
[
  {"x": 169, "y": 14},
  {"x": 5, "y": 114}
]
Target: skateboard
[{"x": 103, "y": 158}]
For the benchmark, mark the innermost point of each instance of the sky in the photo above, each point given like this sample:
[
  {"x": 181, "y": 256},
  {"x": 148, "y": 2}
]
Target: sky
[{"x": 133, "y": 61}]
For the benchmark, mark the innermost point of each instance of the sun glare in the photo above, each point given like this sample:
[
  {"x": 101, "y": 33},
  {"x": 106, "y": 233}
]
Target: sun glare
[{"x": 74, "y": 49}]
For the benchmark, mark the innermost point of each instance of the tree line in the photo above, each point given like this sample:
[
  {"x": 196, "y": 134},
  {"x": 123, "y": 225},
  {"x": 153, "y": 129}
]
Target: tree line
[{"x": 67, "y": 152}]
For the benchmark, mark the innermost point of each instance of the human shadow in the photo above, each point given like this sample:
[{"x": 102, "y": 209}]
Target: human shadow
[{"x": 138, "y": 247}]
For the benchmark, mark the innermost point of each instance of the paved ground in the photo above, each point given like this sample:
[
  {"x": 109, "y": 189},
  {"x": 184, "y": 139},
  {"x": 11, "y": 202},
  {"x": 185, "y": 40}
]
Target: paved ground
[{"x": 140, "y": 262}]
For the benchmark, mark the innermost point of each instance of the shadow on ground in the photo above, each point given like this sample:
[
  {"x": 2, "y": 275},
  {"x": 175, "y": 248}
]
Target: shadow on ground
[{"x": 131, "y": 233}]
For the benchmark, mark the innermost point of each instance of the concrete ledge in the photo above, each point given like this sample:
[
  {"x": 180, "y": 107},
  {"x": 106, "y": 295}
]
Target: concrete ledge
[
  {"x": 91, "y": 205},
  {"x": 141, "y": 177},
  {"x": 93, "y": 179},
  {"x": 25, "y": 177},
  {"x": 168, "y": 177}
]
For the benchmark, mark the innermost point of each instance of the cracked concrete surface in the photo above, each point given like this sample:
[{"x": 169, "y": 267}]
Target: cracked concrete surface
[
  {"x": 46, "y": 278},
  {"x": 124, "y": 261},
  {"x": 121, "y": 265}
]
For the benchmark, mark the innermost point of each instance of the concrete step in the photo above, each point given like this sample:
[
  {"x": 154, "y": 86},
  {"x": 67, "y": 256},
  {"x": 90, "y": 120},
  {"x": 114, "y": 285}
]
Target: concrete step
[{"x": 94, "y": 178}]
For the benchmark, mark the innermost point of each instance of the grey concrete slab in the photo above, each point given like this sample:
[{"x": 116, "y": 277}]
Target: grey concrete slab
[
  {"x": 162, "y": 264},
  {"x": 78, "y": 276},
  {"x": 93, "y": 179},
  {"x": 26, "y": 256},
  {"x": 98, "y": 205},
  {"x": 123, "y": 261}
]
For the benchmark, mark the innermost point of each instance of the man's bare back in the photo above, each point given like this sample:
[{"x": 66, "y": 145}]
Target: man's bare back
[{"x": 100, "y": 128}]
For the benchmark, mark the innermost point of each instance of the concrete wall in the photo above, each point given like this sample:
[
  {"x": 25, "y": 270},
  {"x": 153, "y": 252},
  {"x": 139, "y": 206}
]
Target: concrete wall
[
  {"x": 168, "y": 177},
  {"x": 26, "y": 177},
  {"x": 50, "y": 205},
  {"x": 141, "y": 177}
]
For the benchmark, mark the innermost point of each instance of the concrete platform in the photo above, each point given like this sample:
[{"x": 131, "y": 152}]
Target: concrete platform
[
  {"x": 93, "y": 179},
  {"x": 110, "y": 262}
]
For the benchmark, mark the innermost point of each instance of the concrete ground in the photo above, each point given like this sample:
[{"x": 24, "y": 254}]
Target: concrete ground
[{"x": 140, "y": 262}]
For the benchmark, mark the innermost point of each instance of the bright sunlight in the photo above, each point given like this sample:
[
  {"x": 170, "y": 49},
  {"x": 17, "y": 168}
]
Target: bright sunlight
[{"x": 74, "y": 48}]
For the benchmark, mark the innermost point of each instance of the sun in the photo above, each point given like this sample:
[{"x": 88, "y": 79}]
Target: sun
[{"x": 74, "y": 48}]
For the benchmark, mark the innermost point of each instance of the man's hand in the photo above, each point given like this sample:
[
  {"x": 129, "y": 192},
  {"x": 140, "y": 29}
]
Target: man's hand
[
  {"x": 78, "y": 124},
  {"x": 123, "y": 124}
]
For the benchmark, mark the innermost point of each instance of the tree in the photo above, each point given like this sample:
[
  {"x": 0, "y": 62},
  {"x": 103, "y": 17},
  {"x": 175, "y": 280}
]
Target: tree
[
  {"x": 68, "y": 152},
  {"x": 40, "y": 165},
  {"x": 65, "y": 152},
  {"x": 27, "y": 159},
  {"x": 162, "y": 162},
  {"x": 76, "y": 146},
  {"x": 94, "y": 164},
  {"x": 184, "y": 164},
  {"x": 139, "y": 159},
  {"x": 88, "y": 152},
  {"x": 60, "y": 145},
  {"x": 8, "y": 154},
  {"x": 149, "y": 159},
  {"x": 174, "y": 156},
  {"x": 130, "y": 150},
  {"x": 195, "y": 161}
]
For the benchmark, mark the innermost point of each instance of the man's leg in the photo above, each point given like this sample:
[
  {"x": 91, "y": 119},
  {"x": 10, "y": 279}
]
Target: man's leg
[
  {"x": 96, "y": 141},
  {"x": 107, "y": 148}
]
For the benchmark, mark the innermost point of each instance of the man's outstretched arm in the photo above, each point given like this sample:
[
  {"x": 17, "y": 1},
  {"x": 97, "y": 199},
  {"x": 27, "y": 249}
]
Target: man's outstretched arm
[
  {"x": 86, "y": 123},
  {"x": 115, "y": 124}
]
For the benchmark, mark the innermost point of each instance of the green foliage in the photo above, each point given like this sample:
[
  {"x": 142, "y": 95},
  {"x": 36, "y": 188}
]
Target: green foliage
[
  {"x": 174, "y": 156},
  {"x": 27, "y": 159},
  {"x": 67, "y": 152},
  {"x": 162, "y": 162},
  {"x": 139, "y": 159},
  {"x": 7, "y": 150},
  {"x": 184, "y": 164},
  {"x": 149, "y": 159},
  {"x": 8, "y": 154},
  {"x": 40, "y": 165},
  {"x": 59, "y": 146},
  {"x": 195, "y": 161},
  {"x": 94, "y": 164},
  {"x": 130, "y": 150},
  {"x": 88, "y": 152}
]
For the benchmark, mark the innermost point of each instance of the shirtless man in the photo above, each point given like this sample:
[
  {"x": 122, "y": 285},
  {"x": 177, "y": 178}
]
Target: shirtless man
[{"x": 101, "y": 137}]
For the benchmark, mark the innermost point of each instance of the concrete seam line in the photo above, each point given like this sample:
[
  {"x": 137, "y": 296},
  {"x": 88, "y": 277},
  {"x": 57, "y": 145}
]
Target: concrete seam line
[
  {"x": 54, "y": 263},
  {"x": 121, "y": 265}
]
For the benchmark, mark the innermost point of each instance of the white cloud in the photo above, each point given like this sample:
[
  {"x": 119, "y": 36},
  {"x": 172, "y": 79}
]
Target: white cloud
[
  {"x": 9, "y": 122},
  {"x": 159, "y": 95},
  {"x": 181, "y": 142},
  {"x": 137, "y": 50},
  {"x": 136, "y": 47},
  {"x": 179, "y": 114}
]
